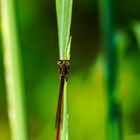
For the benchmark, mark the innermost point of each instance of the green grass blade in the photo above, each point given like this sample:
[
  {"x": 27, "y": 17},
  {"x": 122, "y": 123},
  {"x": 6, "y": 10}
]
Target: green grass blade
[
  {"x": 64, "y": 127},
  {"x": 136, "y": 29},
  {"x": 113, "y": 121},
  {"x": 64, "y": 14},
  {"x": 13, "y": 72}
]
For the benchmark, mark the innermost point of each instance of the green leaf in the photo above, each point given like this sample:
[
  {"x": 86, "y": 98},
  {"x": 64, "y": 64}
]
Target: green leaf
[
  {"x": 16, "y": 99},
  {"x": 64, "y": 14},
  {"x": 136, "y": 30}
]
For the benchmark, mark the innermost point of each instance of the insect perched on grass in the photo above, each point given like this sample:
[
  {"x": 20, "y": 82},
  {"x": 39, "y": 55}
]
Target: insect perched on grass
[{"x": 63, "y": 72}]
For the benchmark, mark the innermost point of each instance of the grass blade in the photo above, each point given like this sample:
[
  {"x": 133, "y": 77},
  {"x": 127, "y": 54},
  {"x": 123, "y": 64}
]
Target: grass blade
[
  {"x": 64, "y": 15},
  {"x": 113, "y": 121},
  {"x": 13, "y": 72}
]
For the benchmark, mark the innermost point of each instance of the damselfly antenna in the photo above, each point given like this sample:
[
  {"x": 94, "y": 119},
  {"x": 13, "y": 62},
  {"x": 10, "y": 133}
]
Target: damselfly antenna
[{"x": 63, "y": 72}]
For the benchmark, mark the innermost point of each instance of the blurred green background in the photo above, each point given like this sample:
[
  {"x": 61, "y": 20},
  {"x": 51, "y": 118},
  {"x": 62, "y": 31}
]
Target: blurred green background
[{"x": 87, "y": 103}]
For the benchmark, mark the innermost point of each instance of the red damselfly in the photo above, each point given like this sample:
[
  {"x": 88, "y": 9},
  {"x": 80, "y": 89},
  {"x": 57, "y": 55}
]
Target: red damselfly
[{"x": 63, "y": 72}]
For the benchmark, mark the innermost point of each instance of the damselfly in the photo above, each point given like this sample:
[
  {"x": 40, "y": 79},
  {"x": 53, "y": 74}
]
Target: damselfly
[{"x": 63, "y": 72}]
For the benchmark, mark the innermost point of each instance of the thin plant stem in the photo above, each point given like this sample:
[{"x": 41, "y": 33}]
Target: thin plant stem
[
  {"x": 64, "y": 130},
  {"x": 13, "y": 72},
  {"x": 113, "y": 126},
  {"x": 136, "y": 30},
  {"x": 64, "y": 16}
]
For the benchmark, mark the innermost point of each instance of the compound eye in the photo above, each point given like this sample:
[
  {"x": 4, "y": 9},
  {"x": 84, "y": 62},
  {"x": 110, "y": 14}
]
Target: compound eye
[
  {"x": 68, "y": 63},
  {"x": 59, "y": 62},
  {"x": 63, "y": 62}
]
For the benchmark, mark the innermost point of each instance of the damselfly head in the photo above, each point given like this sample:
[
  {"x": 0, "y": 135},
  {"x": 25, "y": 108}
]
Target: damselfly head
[
  {"x": 63, "y": 62},
  {"x": 64, "y": 68}
]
